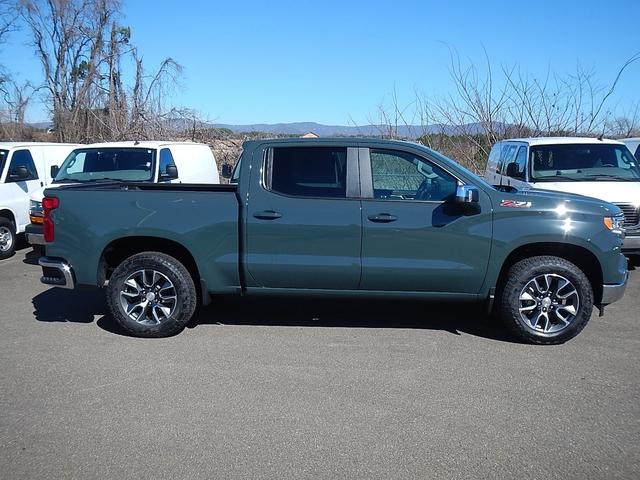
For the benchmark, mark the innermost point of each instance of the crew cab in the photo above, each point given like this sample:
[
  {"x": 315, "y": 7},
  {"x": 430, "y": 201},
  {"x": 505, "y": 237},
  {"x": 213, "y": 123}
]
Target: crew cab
[
  {"x": 335, "y": 218},
  {"x": 24, "y": 168},
  {"x": 129, "y": 161},
  {"x": 595, "y": 167}
]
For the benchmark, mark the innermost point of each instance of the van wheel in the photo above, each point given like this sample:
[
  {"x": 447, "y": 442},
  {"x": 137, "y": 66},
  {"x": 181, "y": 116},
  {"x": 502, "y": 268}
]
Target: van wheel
[
  {"x": 546, "y": 300},
  {"x": 151, "y": 295},
  {"x": 7, "y": 238}
]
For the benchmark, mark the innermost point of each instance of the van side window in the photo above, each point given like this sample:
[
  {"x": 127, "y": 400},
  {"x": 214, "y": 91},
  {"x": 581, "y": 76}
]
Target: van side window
[
  {"x": 22, "y": 158},
  {"x": 308, "y": 171},
  {"x": 166, "y": 158},
  {"x": 519, "y": 163},
  {"x": 638, "y": 153},
  {"x": 494, "y": 157},
  {"x": 506, "y": 157}
]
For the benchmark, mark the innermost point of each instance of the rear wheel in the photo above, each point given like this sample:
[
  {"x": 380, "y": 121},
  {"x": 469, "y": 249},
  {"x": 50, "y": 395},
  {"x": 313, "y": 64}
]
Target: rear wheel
[
  {"x": 546, "y": 300},
  {"x": 8, "y": 238},
  {"x": 151, "y": 295}
]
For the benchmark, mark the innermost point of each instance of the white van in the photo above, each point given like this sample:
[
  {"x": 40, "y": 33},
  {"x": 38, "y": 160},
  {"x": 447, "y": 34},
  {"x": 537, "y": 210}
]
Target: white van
[
  {"x": 148, "y": 161},
  {"x": 599, "y": 168},
  {"x": 24, "y": 168}
]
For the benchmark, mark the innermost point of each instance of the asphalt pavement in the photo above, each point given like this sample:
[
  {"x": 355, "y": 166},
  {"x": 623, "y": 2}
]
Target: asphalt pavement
[{"x": 309, "y": 389}]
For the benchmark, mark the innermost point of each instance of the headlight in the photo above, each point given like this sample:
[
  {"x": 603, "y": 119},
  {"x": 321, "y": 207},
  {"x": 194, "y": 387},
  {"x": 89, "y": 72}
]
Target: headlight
[
  {"x": 35, "y": 208},
  {"x": 615, "y": 224}
]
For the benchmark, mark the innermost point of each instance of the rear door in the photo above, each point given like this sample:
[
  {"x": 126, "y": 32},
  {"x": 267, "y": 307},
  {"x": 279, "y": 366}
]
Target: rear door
[
  {"x": 303, "y": 224},
  {"x": 415, "y": 237}
]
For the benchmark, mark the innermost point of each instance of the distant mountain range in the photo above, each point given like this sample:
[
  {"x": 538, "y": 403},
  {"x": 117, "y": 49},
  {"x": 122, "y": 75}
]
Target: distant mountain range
[{"x": 300, "y": 128}]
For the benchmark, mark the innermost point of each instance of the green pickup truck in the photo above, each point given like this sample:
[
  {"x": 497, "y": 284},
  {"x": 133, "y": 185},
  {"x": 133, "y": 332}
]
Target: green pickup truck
[{"x": 338, "y": 218}]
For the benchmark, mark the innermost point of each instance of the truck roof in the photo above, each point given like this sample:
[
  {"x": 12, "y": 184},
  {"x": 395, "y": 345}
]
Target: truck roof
[
  {"x": 562, "y": 140},
  {"x": 140, "y": 144},
  {"x": 331, "y": 140},
  {"x": 7, "y": 145}
]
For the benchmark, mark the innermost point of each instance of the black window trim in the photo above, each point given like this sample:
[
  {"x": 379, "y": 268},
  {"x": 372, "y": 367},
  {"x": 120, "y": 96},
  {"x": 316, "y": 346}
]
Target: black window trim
[
  {"x": 352, "y": 178},
  {"x": 366, "y": 175}
]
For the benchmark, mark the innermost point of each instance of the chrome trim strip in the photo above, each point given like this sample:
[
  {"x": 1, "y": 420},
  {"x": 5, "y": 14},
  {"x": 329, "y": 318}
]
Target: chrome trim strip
[{"x": 62, "y": 267}]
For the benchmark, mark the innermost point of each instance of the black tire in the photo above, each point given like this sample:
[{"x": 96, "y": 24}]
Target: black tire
[
  {"x": 521, "y": 275},
  {"x": 182, "y": 284},
  {"x": 7, "y": 227}
]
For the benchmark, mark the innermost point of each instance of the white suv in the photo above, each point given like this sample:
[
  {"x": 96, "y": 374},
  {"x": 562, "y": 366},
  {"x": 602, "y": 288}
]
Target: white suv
[{"x": 598, "y": 168}]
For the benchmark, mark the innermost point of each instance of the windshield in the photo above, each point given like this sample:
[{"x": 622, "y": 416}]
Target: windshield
[
  {"x": 126, "y": 164},
  {"x": 3, "y": 158},
  {"x": 583, "y": 162}
]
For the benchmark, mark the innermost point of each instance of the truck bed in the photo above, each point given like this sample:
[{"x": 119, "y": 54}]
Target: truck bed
[{"x": 202, "y": 219}]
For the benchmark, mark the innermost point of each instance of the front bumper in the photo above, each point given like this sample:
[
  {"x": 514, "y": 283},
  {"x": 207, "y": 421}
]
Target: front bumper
[
  {"x": 613, "y": 293},
  {"x": 56, "y": 272},
  {"x": 631, "y": 243},
  {"x": 35, "y": 234}
]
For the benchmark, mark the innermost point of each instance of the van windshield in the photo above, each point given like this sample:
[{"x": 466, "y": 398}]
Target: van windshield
[
  {"x": 583, "y": 162},
  {"x": 3, "y": 159},
  {"x": 90, "y": 164}
]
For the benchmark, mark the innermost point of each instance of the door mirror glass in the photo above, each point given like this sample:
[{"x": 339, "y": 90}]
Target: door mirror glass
[
  {"x": 54, "y": 170},
  {"x": 20, "y": 173},
  {"x": 226, "y": 170},
  {"x": 513, "y": 171},
  {"x": 467, "y": 194},
  {"x": 171, "y": 172}
]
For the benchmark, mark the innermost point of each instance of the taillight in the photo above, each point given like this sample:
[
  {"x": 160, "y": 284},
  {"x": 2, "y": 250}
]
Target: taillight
[{"x": 49, "y": 204}]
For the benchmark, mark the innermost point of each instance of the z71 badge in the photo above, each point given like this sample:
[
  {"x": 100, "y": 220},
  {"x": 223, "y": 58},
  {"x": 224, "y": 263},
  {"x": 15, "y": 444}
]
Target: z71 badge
[{"x": 515, "y": 204}]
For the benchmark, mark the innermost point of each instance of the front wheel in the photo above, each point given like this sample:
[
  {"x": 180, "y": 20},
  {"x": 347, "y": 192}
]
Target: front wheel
[
  {"x": 151, "y": 295},
  {"x": 546, "y": 300},
  {"x": 7, "y": 238}
]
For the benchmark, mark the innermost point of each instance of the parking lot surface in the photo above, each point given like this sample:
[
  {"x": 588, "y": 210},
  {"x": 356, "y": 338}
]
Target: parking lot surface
[{"x": 300, "y": 389}]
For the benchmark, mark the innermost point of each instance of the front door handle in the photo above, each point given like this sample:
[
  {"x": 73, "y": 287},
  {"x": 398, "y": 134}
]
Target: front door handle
[
  {"x": 267, "y": 215},
  {"x": 382, "y": 218}
]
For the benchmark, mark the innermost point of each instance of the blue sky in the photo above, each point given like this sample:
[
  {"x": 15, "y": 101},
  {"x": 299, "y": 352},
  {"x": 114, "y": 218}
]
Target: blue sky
[{"x": 334, "y": 61}]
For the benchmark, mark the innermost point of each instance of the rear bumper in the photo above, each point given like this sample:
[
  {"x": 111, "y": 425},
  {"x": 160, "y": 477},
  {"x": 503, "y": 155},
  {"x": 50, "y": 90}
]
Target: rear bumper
[
  {"x": 35, "y": 235},
  {"x": 57, "y": 273},
  {"x": 613, "y": 293}
]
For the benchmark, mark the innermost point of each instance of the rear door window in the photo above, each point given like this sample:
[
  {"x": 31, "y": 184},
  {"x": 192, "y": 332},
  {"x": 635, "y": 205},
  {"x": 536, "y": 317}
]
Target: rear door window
[{"x": 307, "y": 171}]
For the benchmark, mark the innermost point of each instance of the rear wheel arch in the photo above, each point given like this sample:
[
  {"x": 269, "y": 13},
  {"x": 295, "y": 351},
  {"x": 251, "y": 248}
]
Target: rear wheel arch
[
  {"x": 120, "y": 249},
  {"x": 579, "y": 256}
]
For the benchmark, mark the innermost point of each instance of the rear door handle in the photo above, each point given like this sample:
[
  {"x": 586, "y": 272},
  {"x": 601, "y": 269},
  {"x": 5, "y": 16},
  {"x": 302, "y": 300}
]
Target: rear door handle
[
  {"x": 267, "y": 215},
  {"x": 382, "y": 218}
]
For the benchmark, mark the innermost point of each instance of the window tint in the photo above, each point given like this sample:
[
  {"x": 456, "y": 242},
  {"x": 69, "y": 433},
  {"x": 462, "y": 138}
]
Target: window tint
[
  {"x": 309, "y": 171},
  {"x": 404, "y": 176},
  {"x": 22, "y": 158},
  {"x": 638, "y": 153},
  {"x": 165, "y": 159}
]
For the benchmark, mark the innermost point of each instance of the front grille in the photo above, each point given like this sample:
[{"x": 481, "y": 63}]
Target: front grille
[{"x": 631, "y": 214}]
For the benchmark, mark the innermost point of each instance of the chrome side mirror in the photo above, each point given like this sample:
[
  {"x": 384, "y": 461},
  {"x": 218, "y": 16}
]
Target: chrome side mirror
[{"x": 467, "y": 194}]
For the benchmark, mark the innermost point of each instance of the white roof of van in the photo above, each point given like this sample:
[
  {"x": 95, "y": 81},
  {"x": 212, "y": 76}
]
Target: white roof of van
[
  {"x": 6, "y": 145},
  {"x": 140, "y": 144},
  {"x": 562, "y": 140}
]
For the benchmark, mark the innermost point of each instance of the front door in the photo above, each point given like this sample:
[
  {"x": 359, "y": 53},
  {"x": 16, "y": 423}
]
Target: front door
[
  {"x": 303, "y": 218},
  {"x": 15, "y": 190},
  {"x": 415, "y": 237}
]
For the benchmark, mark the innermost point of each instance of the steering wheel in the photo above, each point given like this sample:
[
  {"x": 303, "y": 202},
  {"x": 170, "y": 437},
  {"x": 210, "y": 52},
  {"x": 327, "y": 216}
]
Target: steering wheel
[{"x": 427, "y": 189}]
